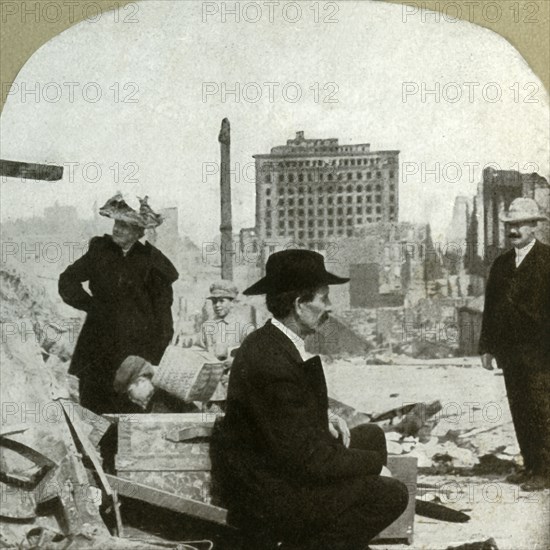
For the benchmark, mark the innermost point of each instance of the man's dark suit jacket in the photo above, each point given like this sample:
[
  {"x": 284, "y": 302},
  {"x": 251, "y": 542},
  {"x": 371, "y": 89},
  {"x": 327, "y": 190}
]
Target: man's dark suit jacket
[
  {"x": 275, "y": 452},
  {"x": 517, "y": 306}
]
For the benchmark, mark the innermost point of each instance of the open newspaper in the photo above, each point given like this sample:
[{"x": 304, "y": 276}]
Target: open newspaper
[{"x": 192, "y": 374}]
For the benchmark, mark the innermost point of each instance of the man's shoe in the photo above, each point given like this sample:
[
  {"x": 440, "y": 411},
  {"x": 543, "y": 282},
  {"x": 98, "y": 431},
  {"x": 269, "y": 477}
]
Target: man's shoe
[
  {"x": 519, "y": 477},
  {"x": 536, "y": 483}
]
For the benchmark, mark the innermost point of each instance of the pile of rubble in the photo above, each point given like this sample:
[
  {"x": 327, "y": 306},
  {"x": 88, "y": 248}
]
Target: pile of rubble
[
  {"x": 53, "y": 489},
  {"x": 443, "y": 444},
  {"x": 425, "y": 331},
  {"x": 28, "y": 313}
]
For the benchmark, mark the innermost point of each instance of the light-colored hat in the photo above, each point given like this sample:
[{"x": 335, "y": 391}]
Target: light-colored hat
[
  {"x": 223, "y": 289},
  {"x": 117, "y": 208},
  {"x": 523, "y": 209}
]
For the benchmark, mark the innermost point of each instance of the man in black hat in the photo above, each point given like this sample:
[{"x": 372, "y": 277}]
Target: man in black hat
[
  {"x": 282, "y": 473},
  {"x": 128, "y": 308}
]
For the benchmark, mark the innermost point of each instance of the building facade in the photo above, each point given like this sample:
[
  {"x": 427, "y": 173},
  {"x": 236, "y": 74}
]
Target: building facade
[
  {"x": 486, "y": 232},
  {"x": 311, "y": 191},
  {"x": 458, "y": 228},
  {"x": 389, "y": 264},
  {"x": 500, "y": 188}
]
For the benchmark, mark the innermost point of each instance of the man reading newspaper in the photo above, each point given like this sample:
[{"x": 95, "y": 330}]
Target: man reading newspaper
[{"x": 184, "y": 379}]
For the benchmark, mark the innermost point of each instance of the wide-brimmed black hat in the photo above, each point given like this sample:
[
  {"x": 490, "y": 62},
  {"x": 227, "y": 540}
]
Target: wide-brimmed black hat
[{"x": 294, "y": 270}]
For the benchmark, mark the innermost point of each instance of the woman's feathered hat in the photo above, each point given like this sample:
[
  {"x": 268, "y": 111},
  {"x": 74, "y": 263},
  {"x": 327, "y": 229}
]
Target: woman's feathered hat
[{"x": 117, "y": 208}]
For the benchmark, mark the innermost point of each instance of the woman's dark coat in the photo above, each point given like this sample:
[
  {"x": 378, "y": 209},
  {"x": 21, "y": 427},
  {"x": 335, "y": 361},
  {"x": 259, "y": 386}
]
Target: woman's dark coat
[
  {"x": 273, "y": 456},
  {"x": 128, "y": 307}
]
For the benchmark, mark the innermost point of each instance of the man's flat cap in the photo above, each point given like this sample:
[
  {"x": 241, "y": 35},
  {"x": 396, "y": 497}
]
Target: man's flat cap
[
  {"x": 223, "y": 289},
  {"x": 129, "y": 371}
]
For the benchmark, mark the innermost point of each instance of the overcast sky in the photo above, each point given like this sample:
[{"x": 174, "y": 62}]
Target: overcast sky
[{"x": 153, "y": 115}]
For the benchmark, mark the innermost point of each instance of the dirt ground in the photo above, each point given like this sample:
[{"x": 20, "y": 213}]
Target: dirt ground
[
  {"x": 515, "y": 520},
  {"x": 471, "y": 398}
]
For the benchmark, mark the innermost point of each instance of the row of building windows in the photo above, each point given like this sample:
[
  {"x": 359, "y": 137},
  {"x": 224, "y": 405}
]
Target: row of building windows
[
  {"x": 319, "y": 176},
  {"x": 326, "y": 217},
  {"x": 349, "y": 199},
  {"x": 358, "y": 220},
  {"x": 373, "y": 161},
  {"x": 340, "y": 189},
  {"x": 320, "y": 234},
  {"x": 321, "y": 201}
]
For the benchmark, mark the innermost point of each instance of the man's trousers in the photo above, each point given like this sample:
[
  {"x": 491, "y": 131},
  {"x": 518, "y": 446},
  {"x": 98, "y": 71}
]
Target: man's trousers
[
  {"x": 527, "y": 380},
  {"x": 348, "y": 513}
]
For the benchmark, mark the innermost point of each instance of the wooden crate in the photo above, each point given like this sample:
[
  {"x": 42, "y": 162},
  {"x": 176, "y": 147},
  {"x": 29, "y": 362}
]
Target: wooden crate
[
  {"x": 147, "y": 454},
  {"x": 403, "y": 468}
]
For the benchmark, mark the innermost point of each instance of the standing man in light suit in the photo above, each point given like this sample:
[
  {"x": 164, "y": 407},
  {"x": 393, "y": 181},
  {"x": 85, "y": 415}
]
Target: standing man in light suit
[{"x": 516, "y": 332}]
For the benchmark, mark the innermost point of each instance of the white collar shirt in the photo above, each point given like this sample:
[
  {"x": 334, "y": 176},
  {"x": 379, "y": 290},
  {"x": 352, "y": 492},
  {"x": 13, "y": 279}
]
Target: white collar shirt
[
  {"x": 294, "y": 338},
  {"x": 522, "y": 252}
]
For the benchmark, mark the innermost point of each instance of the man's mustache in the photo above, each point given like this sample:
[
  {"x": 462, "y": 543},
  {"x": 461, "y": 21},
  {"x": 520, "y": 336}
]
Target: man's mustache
[{"x": 513, "y": 235}]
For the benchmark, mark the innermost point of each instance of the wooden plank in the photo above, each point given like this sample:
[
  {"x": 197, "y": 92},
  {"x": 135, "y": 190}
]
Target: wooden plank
[
  {"x": 191, "y": 485},
  {"x": 403, "y": 468},
  {"x": 88, "y": 448},
  {"x": 159, "y": 436},
  {"x": 13, "y": 429},
  {"x": 169, "y": 501},
  {"x": 392, "y": 413},
  {"x": 191, "y": 432},
  {"x": 118, "y": 517},
  {"x": 91, "y": 453},
  {"x": 124, "y": 438},
  {"x": 204, "y": 419},
  {"x": 72, "y": 486},
  {"x": 169, "y": 463},
  {"x": 98, "y": 424},
  {"x": 31, "y": 171}
]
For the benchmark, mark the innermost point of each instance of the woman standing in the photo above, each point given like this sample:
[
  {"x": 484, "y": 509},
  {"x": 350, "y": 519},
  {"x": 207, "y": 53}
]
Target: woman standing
[{"x": 128, "y": 305}]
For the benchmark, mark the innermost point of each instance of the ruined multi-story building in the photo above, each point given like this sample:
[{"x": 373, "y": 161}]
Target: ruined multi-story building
[
  {"x": 388, "y": 264},
  {"x": 499, "y": 189},
  {"x": 458, "y": 228},
  {"x": 316, "y": 190},
  {"x": 486, "y": 232}
]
